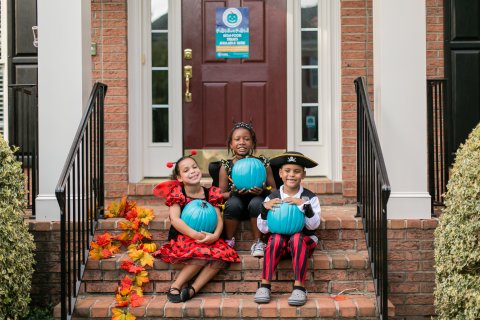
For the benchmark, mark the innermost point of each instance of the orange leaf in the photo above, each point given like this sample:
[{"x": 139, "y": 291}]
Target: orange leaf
[
  {"x": 126, "y": 225},
  {"x": 122, "y": 301},
  {"x": 125, "y": 236},
  {"x": 126, "y": 264},
  {"x": 144, "y": 232},
  {"x": 130, "y": 316},
  {"x": 135, "y": 254},
  {"x": 98, "y": 253},
  {"x": 118, "y": 314},
  {"x": 126, "y": 283},
  {"x": 131, "y": 215},
  {"x": 114, "y": 248},
  {"x": 137, "y": 237},
  {"x": 141, "y": 278},
  {"x": 135, "y": 300},
  {"x": 107, "y": 214},
  {"x": 104, "y": 239},
  {"x": 135, "y": 269},
  {"x": 145, "y": 215},
  {"x": 106, "y": 254}
]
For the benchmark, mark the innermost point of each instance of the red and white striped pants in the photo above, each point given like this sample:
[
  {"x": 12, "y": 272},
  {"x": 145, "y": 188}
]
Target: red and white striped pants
[{"x": 298, "y": 245}]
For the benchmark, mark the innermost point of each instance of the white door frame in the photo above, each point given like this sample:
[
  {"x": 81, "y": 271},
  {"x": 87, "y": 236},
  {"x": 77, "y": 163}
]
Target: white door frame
[
  {"x": 144, "y": 158},
  {"x": 139, "y": 90}
]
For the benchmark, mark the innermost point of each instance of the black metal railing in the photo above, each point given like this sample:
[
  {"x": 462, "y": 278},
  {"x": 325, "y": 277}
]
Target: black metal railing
[
  {"x": 23, "y": 134},
  {"x": 80, "y": 195},
  {"x": 438, "y": 139},
  {"x": 373, "y": 191}
]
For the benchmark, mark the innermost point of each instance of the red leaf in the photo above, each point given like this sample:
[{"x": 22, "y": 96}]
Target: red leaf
[
  {"x": 126, "y": 264},
  {"x": 126, "y": 283}
]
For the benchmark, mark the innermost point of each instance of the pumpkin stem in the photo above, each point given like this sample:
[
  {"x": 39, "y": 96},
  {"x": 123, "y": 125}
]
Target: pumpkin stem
[{"x": 203, "y": 204}]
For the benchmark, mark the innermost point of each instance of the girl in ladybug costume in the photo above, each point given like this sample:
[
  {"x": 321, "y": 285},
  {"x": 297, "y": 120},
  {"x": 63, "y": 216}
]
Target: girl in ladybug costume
[{"x": 203, "y": 253}]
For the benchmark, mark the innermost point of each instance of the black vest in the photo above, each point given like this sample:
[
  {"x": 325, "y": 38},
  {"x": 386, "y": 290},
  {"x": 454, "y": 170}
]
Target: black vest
[{"x": 305, "y": 194}]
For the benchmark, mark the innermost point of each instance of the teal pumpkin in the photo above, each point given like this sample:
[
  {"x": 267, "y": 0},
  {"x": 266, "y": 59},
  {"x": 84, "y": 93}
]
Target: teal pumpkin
[
  {"x": 200, "y": 216},
  {"x": 285, "y": 219},
  {"x": 248, "y": 173}
]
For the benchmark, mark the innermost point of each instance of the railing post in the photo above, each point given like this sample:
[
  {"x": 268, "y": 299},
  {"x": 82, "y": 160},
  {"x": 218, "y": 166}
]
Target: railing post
[
  {"x": 63, "y": 266},
  {"x": 101, "y": 197}
]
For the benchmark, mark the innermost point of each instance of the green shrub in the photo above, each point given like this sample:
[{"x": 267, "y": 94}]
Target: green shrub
[
  {"x": 457, "y": 238},
  {"x": 39, "y": 313},
  {"x": 16, "y": 243}
]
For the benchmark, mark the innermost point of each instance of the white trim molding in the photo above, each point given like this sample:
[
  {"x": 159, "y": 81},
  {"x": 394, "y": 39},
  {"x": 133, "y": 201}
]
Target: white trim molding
[
  {"x": 144, "y": 157},
  {"x": 65, "y": 81},
  {"x": 135, "y": 85},
  {"x": 328, "y": 150},
  {"x": 409, "y": 205},
  {"x": 400, "y": 103}
]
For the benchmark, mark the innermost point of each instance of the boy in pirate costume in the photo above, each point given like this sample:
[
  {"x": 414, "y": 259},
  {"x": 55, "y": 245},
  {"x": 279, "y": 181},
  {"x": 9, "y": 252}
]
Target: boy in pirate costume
[{"x": 299, "y": 245}]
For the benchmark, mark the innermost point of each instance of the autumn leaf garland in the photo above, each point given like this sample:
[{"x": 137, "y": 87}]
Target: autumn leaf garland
[{"x": 138, "y": 241}]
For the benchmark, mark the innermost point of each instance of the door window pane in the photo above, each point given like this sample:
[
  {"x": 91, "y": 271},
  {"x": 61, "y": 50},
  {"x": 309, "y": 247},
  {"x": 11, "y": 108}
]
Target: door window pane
[
  {"x": 159, "y": 9},
  {"x": 160, "y": 87},
  {"x": 159, "y": 49},
  {"x": 309, "y": 48},
  {"x": 160, "y": 104},
  {"x": 310, "y": 123},
  {"x": 160, "y": 125},
  {"x": 310, "y": 85},
  {"x": 310, "y": 70},
  {"x": 309, "y": 13}
]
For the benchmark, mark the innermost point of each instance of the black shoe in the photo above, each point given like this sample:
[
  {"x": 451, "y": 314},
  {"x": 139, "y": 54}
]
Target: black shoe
[
  {"x": 185, "y": 294},
  {"x": 174, "y": 297}
]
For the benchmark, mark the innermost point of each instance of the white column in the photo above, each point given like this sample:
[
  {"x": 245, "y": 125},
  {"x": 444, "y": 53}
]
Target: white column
[
  {"x": 64, "y": 82},
  {"x": 399, "y": 41}
]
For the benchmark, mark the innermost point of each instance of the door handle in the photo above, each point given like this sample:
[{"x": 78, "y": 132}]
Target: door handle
[{"x": 187, "y": 73}]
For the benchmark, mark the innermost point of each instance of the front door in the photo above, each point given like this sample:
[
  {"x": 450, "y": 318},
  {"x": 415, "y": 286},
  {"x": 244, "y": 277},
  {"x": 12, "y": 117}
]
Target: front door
[
  {"x": 224, "y": 91},
  {"x": 462, "y": 62}
]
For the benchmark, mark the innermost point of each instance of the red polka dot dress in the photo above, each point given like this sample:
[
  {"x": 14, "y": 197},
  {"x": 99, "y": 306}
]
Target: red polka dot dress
[{"x": 183, "y": 249}]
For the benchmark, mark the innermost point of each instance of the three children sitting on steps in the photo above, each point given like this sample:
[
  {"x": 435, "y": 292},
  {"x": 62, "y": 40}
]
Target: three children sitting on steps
[{"x": 204, "y": 254}]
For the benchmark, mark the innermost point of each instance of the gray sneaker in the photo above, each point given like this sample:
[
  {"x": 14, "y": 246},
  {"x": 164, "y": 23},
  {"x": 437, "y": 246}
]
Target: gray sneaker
[
  {"x": 298, "y": 298},
  {"x": 258, "y": 249},
  {"x": 262, "y": 295}
]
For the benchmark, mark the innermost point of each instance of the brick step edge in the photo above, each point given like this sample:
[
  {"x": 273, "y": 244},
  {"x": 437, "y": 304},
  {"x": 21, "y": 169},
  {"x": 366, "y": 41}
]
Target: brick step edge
[
  {"x": 316, "y": 185},
  {"x": 237, "y": 287},
  {"x": 232, "y": 307},
  {"x": 332, "y": 218},
  {"x": 318, "y": 261}
]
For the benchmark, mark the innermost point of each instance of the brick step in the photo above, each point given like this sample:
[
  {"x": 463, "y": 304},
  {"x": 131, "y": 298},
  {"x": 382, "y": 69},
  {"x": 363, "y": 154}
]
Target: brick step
[
  {"x": 328, "y": 273},
  {"x": 231, "y": 307},
  {"x": 317, "y": 185},
  {"x": 329, "y": 192},
  {"x": 334, "y": 199}
]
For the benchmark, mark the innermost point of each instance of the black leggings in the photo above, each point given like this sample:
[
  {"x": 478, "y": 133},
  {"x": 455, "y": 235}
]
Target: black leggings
[{"x": 243, "y": 207}]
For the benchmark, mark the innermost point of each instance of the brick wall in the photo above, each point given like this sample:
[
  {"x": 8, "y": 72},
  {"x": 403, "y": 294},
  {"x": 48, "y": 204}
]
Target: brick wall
[
  {"x": 46, "y": 278},
  {"x": 357, "y": 60},
  {"x": 109, "y": 31},
  {"x": 411, "y": 268},
  {"x": 435, "y": 36}
]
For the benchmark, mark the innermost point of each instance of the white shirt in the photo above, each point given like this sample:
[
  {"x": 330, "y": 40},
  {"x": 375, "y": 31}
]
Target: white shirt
[{"x": 310, "y": 223}]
